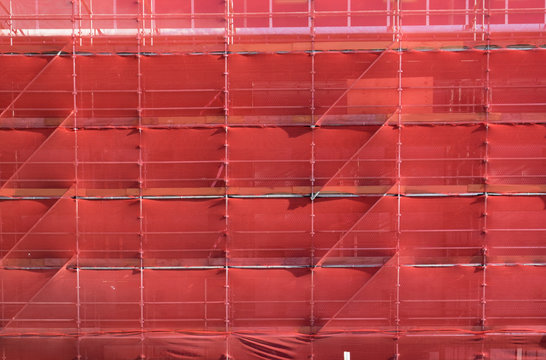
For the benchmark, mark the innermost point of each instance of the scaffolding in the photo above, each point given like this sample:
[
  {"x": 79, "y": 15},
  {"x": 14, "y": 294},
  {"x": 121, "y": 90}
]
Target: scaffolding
[{"x": 272, "y": 179}]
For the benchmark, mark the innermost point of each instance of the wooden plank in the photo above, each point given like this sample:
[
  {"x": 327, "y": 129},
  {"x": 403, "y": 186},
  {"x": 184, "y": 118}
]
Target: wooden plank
[
  {"x": 430, "y": 118},
  {"x": 280, "y": 190}
]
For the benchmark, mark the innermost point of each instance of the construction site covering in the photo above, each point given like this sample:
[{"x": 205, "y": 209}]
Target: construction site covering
[{"x": 273, "y": 179}]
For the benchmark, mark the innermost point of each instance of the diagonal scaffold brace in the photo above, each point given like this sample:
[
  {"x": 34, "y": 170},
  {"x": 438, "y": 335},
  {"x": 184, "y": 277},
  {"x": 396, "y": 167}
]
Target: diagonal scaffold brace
[
  {"x": 29, "y": 84},
  {"x": 370, "y": 67}
]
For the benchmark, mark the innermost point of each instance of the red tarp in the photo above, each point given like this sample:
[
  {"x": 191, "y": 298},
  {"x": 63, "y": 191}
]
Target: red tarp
[{"x": 272, "y": 179}]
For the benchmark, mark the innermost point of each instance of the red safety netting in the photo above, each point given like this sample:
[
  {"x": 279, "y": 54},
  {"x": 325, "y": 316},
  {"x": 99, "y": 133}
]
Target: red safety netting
[{"x": 272, "y": 179}]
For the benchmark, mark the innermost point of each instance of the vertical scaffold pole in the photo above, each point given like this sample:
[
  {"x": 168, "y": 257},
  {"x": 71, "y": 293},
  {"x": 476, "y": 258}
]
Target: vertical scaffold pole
[
  {"x": 487, "y": 95},
  {"x": 398, "y": 35},
  {"x": 227, "y": 43},
  {"x": 76, "y": 9},
  {"x": 313, "y": 152},
  {"x": 140, "y": 41}
]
